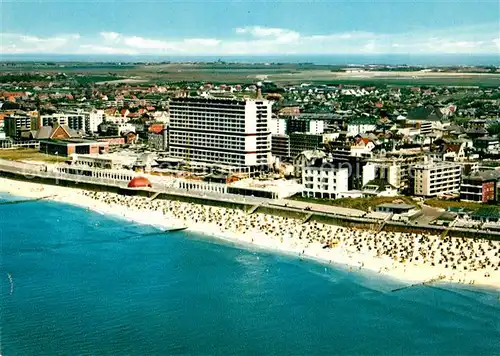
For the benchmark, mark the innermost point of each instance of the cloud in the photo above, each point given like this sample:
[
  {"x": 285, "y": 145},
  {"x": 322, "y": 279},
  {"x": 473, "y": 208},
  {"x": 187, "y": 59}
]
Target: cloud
[
  {"x": 259, "y": 31},
  {"x": 370, "y": 47},
  {"x": 254, "y": 40},
  {"x": 210, "y": 42},
  {"x": 19, "y": 43},
  {"x": 279, "y": 35},
  {"x": 96, "y": 49},
  {"x": 109, "y": 36},
  {"x": 148, "y": 44}
]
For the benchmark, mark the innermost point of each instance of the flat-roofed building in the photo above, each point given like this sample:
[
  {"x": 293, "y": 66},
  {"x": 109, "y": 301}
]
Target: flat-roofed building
[
  {"x": 77, "y": 121},
  {"x": 435, "y": 178},
  {"x": 300, "y": 142},
  {"x": 489, "y": 145},
  {"x": 221, "y": 131},
  {"x": 278, "y": 126},
  {"x": 15, "y": 124},
  {"x": 481, "y": 187},
  {"x": 324, "y": 180},
  {"x": 280, "y": 146},
  {"x": 71, "y": 146},
  {"x": 305, "y": 126}
]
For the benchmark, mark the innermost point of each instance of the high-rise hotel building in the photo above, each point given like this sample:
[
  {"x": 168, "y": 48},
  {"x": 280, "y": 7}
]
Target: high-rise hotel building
[{"x": 221, "y": 131}]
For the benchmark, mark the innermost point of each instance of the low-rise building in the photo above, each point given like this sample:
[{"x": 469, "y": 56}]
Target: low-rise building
[
  {"x": 361, "y": 125},
  {"x": 487, "y": 145},
  {"x": 68, "y": 147},
  {"x": 306, "y": 158},
  {"x": 379, "y": 188},
  {"x": 395, "y": 208}
]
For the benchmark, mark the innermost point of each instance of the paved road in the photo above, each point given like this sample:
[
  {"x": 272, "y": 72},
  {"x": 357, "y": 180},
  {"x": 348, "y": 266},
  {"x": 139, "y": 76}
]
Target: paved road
[{"x": 428, "y": 214}]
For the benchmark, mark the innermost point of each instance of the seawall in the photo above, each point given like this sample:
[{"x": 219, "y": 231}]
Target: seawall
[{"x": 344, "y": 221}]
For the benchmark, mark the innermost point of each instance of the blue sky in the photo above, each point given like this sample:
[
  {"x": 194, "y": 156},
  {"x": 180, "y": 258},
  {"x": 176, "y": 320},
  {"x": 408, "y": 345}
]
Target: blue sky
[{"x": 249, "y": 27}]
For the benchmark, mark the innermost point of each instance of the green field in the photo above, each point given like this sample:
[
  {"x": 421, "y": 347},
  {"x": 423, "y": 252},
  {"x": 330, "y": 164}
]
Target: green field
[
  {"x": 250, "y": 73},
  {"x": 444, "y": 204},
  {"x": 29, "y": 154},
  {"x": 364, "y": 204}
]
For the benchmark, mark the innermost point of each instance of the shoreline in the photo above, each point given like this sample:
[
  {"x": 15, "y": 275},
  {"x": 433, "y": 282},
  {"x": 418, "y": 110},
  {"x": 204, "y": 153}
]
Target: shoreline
[{"x": 277, "y": 234}]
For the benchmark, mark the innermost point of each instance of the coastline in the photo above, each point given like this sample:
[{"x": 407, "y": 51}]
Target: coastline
[{"x": 260, "y": 234}]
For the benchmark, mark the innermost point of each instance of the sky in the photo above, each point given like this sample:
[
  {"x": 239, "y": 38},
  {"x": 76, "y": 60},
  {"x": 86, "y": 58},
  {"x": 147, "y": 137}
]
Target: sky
[{"x": 244, "y": 27}]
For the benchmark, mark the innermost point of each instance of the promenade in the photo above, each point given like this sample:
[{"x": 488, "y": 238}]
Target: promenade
[{"x": 331, "y": 214}]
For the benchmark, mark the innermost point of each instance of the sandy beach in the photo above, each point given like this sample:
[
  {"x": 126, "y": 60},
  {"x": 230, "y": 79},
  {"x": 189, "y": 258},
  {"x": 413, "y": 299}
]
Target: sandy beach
[{"x": 411, "y": 258}]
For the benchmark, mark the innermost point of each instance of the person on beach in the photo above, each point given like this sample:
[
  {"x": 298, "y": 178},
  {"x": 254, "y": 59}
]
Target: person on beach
[{"x": 392, "y": 250}]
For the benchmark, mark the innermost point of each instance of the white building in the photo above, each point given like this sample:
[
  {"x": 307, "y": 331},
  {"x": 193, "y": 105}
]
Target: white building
[
  {"x": 77, "y": 120},
  {"x": 125, "y": 128},
  {"x": 316, "y": 127},
  {"x": 435, "y": 178},
  {"x": 96, "y": 117},
  {"x": 278, "y": 126},
  {"x": 368, "y": 173},
  {"x": 161, "y": 116},
  {"x": 116, "y": 119},
  {"x": 324, "y": 181},
  {"x": 221, "y": 131},
  {"x": 361, "y": 126}
]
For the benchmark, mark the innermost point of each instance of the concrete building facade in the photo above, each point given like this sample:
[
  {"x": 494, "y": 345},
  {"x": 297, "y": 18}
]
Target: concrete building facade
[
  {"x": 435, "y": 178},
  {"x": 221, "y": 131},
  {"x": 280, "y": 146},
  {"x": 324, "y": 181},
  {"x": 481, "y": 187},
  {"x": 75, "y": 120},
  {"x": 15, "y": 124}
]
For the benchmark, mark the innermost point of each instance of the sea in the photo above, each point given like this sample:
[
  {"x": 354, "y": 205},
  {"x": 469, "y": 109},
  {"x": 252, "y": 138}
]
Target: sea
[
  {"x": 76, "y": 282},
  {"x": 463, "y": 59}
]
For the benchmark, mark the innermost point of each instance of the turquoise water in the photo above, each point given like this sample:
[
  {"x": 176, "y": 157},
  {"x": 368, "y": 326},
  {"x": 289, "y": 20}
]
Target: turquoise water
[
  {"x": 86, "y": 284},
  {"x": 325, "y": 59}
]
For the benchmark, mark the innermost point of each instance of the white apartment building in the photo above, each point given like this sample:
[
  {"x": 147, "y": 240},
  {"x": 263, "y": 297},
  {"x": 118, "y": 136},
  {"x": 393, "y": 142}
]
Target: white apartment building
[
  {"x": 316, "y": 127},
  {"x": 78, "y": 121},
  {"x": 221, "y": 131},
  {"x": 92, "y": 119},
  {"x": 360, "y": 127},
  {"x": 117, "y": 119},
  {"x": 324, "y": 181},
  {"x": 96, "y": 117},
  {"x": 435, "y": 178},
  {"x": 278, "y": 126}
]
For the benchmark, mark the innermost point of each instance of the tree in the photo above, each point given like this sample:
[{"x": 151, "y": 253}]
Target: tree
[{"x": 494, "y": 128}]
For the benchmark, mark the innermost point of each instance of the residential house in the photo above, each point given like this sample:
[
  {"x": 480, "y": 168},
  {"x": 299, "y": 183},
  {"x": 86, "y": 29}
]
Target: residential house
[
  {"x": 361, "y": 125},
  {"x": 379, "y": 188},
  {"x": 306, "y": 158},
  {"x": 487, "y": 145}
]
